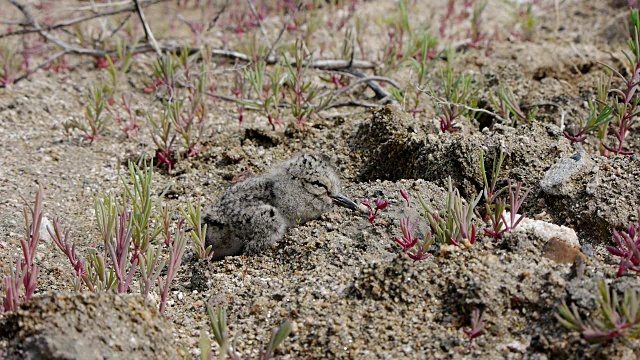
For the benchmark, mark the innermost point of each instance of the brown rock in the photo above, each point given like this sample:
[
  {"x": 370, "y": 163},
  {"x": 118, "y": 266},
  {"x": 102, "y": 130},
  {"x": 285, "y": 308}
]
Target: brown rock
[{"x": 561, "y": 252}]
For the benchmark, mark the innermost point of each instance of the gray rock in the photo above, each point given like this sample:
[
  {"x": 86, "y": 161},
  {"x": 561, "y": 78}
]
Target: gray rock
[{"x": 559, "y": 179}]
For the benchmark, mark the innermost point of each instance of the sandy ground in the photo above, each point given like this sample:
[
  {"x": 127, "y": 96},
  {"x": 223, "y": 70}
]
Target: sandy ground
[{"x": 346, "y": 286}]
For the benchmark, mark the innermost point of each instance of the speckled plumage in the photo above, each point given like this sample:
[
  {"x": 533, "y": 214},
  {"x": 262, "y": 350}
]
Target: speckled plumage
[{"x": 254, "y": 214}]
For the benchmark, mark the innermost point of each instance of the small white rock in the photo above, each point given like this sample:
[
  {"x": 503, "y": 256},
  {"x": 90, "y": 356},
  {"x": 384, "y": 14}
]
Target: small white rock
[
  {"x": 545, "y": 230},
  {"x": 44, "y": 233}
]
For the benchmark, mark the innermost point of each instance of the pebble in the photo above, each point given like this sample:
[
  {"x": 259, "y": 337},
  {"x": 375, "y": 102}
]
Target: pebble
[
  {"x": 559, "y": 180},
  {"x": 561, "y": 252},
  {"x": 546, "y": 231},
  {"x": 44, "y": 233}
]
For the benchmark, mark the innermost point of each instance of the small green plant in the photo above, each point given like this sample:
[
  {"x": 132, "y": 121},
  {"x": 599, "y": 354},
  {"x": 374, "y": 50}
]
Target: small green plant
[
  {"x": 302, "y": 94},
  {"x": 477, "y": 326},
  {"x": 612, "y": 319},
  {"x": 476, "y": 32},
  {"x": 130, "y": 241},
  {"x": 495, "y": 205},
  {"x": 422, "y": 65},
  {"x": 116, "y": 236},
  {"x": 459, "y": 94},
  {"x": 198, "y": 231},
  {"x": 218, "y": 323},
  {"x": 598, "y": 120},
  {"x": 97, "y": 115},
  {"x": 140, "y": 200},
  {"x": 10, "y": 63},
  {"x": 603, "y": 88},
  {"x": 625, "y": 104},
  {"x": 506, "y": 104},
  {"x": 415, "y": 248},
  {"x": 182, "y": 89},
  {"x": 527, "y": 22},
  {"x": 397, "y": 26},
  {"x": 454, "y": 225},
  {"x": 616, "y": 114},
  {"x": 524, "y": 21},
  {"x": 269, "y": 94},
  {"x": 165, "y": 72},
  {"x": 628, "y": 243},
  {"x": 124, "y": 53},
  {"x": 163, "y": 136},
  {"x": 96, "y": 118},
  {"x": 177, "y": 244}
]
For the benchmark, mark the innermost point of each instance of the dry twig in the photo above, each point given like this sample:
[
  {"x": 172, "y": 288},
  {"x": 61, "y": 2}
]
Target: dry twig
[
  {"x": 381, "y": 94},
  {"x": 78, "y": 20},
  {"x": 147, "y": 30}
]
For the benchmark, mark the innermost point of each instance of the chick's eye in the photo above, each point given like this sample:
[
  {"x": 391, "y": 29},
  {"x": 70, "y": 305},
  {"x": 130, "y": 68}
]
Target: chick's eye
[{"x": 319, "y": 184}]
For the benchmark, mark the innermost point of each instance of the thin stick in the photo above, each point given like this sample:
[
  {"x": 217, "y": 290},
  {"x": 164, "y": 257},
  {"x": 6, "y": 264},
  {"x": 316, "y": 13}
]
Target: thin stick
[
  {"x": 323, "y": 64},
  {"x": 284, "y": 27},
  {"x": 562, "y": 112},
  {"x": 353, "y": 47},
  {"x": 43, "y": 64},
  {"x": 147, "y": 30},
  {"x": 365, "y": 79},
  {"x": 255, "y": 13},
  {"x": 214, "y": 21},
  {"x": 485, "y": 111},
  {"x": 92, "y": 6},
  {"x": 66, "y": 47},
  {"x": 78, "y": 20},
  {"x": 351, "y": 103},
  {"x": 121, "y": 25},
  {"x": 258, "y": 104},
  {"x": 381, "y": 94}
]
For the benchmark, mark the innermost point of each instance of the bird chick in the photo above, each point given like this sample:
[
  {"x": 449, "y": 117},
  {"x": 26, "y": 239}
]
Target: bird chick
[{"x": 254, "y": 214}]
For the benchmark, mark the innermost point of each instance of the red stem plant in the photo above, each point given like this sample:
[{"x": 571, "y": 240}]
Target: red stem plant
[
  {"x": 628, "y": 242},
  {"x": 620, "y": 114},
  {"x": 26, "y": 271}
]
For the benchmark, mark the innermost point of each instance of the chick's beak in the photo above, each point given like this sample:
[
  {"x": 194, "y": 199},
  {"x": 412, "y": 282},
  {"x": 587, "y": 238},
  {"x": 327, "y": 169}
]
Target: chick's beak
[{"x": 344, "y": 201}]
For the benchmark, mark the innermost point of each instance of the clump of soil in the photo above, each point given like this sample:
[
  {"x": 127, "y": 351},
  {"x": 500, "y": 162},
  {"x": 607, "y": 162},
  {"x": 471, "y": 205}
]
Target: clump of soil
[
  {"x": 393, "y": 146},
  {"x": 602, "y": 197},
  {"x": 88, "y": 326}
]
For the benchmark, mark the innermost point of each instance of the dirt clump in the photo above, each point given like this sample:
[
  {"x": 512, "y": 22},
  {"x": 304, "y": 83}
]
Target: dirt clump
[
  {"x": 391, "y": 146},
  {"x": 88, "y": 326},
  {"x": 601, "y": 196}
]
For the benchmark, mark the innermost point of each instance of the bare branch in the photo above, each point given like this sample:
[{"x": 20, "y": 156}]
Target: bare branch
[
  {"x": 40, "y": 66},
  {"x": 366, "y": 79},
  {"x": 66, "y": 47},
  {"x": 78, "y": 20},
  {"x": 382, "y": 94},
  {"x": 262, "y": 30},
  {"x": 94, "y": 6},
  {"x": 214, "y": 21},
  {"x": 284, "y": 27},
  {"x": 147, "y": 30},
  {"x": 562, "y": 112},
  {"x": 353, "y": 104},
  {"x": 122, "y": 23}
]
